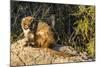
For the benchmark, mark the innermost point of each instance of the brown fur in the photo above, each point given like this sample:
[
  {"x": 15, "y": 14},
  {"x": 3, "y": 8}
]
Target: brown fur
[
  {"x": 26, "y": 22},
  {"x": 29, "y": 37},
  {"x": 43, "y": 36}
]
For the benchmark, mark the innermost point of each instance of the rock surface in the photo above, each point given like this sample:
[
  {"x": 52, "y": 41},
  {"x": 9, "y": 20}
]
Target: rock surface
[{"x": 21, "y": 55}]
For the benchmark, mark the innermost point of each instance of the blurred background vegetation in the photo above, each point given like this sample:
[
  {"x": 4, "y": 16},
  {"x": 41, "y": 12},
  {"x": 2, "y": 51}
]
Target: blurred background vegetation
[{"x": 74, "y": 24}]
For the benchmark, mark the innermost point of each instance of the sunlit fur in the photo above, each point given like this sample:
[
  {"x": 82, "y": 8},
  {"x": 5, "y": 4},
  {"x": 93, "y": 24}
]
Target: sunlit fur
[
  {"x": 44, "y": 35},
  {"x": 29, "y": 37}
]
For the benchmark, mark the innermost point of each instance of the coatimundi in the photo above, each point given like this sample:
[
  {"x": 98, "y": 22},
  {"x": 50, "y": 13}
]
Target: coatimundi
[
  {"x": 38, "y": 32},
  {"x": 29, "y": 36}
]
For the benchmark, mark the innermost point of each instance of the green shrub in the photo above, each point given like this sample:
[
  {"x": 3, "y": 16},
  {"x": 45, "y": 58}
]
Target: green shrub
[{"x": 91, "y": 48}]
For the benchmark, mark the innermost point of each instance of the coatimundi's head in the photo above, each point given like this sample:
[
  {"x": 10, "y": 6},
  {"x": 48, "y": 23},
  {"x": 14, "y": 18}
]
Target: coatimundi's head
[{"x": 26, "y": 22}]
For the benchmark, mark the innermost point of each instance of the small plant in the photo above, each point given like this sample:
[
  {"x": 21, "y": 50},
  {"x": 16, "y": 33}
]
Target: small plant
[{"x": 91, "y": 48}]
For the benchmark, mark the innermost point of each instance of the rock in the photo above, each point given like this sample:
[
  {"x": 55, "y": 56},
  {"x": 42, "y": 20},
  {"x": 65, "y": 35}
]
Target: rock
[
  {"x": 84, "y": 55},
  {"x": 21, "y": 55},
  {"x": 65, "y": 49}
]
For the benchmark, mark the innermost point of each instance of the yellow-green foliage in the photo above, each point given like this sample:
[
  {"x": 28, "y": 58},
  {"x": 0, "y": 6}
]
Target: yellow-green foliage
[
  {"x": 91, "y": 48},
  {"x": 87, "y": 22},
  {"x": 82, "y": 27},
  {"x": 86, "y": 27}
]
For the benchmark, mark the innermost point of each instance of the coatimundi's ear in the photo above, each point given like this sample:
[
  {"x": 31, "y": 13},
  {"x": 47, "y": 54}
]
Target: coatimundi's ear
[{"x": 28, "y": 18}]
